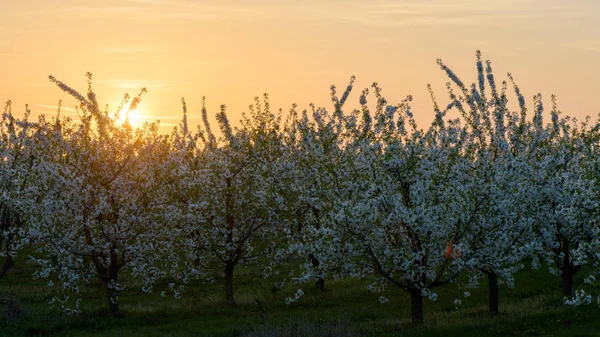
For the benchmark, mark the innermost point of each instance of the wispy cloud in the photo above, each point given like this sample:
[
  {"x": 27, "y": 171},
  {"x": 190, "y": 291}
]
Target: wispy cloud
[
  {"x": 14, "y": 54},
  {"x": 146, "y": 117},
  {"x": 155, "y": 2},
  {"x": 200, "y": 63},
  {"x": 437, "y": 12},
  {"x": 587, "y": 45},
  {"x": 167, "y": 124},
  {"x": 126, "y": 50},
  {"x": 137, "y": 12},
  {"x": 374, "y": 13},
  {"x": 41, "y": 84},
  {"x": 53, "y": 112},
  {"x": 52, "y": 109},
  {"x": 138, "y": 84},
  {"x": 55, "y": 107}
]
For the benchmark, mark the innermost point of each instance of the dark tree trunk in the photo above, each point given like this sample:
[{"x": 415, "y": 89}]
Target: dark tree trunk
[
  {"x": 5, "y": 222},
  {"x": 320, "y": 284},
  {"x": 113, "y": 301},
  {"x": 567, "y": 270},
  {"x": 109, "y": 275},
  {"x": 416, "y": 307},
  {"x": 229, "y": 266},
  {"x": 113, "y": 277},
  {"x": 567, "y": 281},
  {"x": 8, "y": 263},
  {"x": 493, "y": 293}
]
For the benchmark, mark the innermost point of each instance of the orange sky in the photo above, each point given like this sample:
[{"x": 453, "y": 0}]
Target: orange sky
[{"x": 231, "y": 51}]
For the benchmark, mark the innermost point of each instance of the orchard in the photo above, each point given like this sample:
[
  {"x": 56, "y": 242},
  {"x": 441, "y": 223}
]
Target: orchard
[{"x": 303, "y": 201}]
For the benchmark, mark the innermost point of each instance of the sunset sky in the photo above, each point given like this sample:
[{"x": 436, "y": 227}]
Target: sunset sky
[{"x": 231, "y": 51}]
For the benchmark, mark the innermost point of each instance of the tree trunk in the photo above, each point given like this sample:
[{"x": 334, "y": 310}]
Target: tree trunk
[
  {"x": 567, "y": 270},
  {"x": 113, "y": 301},
  {"x": 416, "y": 307},
  {"x": 8, "y": 260},
  {"x": 109, "y": 275},
  {"x": 493, "y": 293},
  {"x": 567, "y": 281},
  {"x": 8, "y": 263},
  {"x": 113, "y": 277},
  {"x": 320, "y": 284},
  {"x": 229, "y": 266}
]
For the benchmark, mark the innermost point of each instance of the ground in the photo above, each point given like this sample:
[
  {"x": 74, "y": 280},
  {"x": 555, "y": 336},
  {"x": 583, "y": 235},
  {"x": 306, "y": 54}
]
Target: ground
[{"x": 344, "y": 308}]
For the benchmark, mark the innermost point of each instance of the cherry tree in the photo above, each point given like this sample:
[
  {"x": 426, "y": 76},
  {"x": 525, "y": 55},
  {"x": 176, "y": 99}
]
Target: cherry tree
[
  {"x": 23, "y": 151},
  {"x": 317, "y": 154},
  {"x": 501, "y": 237},
  {"x": 400, "y": 200},
  {"x": 229, "y": 193},
  {"x": 99, "y": 217},
  {"x": 584, "y": 219},
  {"x": 16, "y": 159},
  {"x": 568, "y": 226}
]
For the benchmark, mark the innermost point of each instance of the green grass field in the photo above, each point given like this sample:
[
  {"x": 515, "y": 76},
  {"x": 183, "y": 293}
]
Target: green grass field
[{"x": 345, "y": 308}]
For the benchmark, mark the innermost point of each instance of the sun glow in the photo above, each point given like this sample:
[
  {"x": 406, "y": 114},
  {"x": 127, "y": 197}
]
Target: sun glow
[{"x": 135, "y": 117}]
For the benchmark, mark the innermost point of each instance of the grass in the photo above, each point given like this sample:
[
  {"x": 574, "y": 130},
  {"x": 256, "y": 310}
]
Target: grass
[{"x": 345, "y": 308}]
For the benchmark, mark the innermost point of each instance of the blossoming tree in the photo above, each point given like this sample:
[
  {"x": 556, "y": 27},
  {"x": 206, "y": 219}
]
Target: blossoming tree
[
  {"x": 501, "y": 236},
  {"x": 230, "y": 197},
  {"x": 99, "y": 218}
]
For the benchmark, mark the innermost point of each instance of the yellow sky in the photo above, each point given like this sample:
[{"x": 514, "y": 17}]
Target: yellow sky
[{"x": 231, "y": 51}]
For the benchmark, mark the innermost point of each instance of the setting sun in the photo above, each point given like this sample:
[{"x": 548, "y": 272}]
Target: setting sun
[{"x": 135, "y": 116}]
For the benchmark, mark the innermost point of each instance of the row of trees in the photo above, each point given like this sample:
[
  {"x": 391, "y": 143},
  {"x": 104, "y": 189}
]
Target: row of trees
[{"x": 365, "y": 194}]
